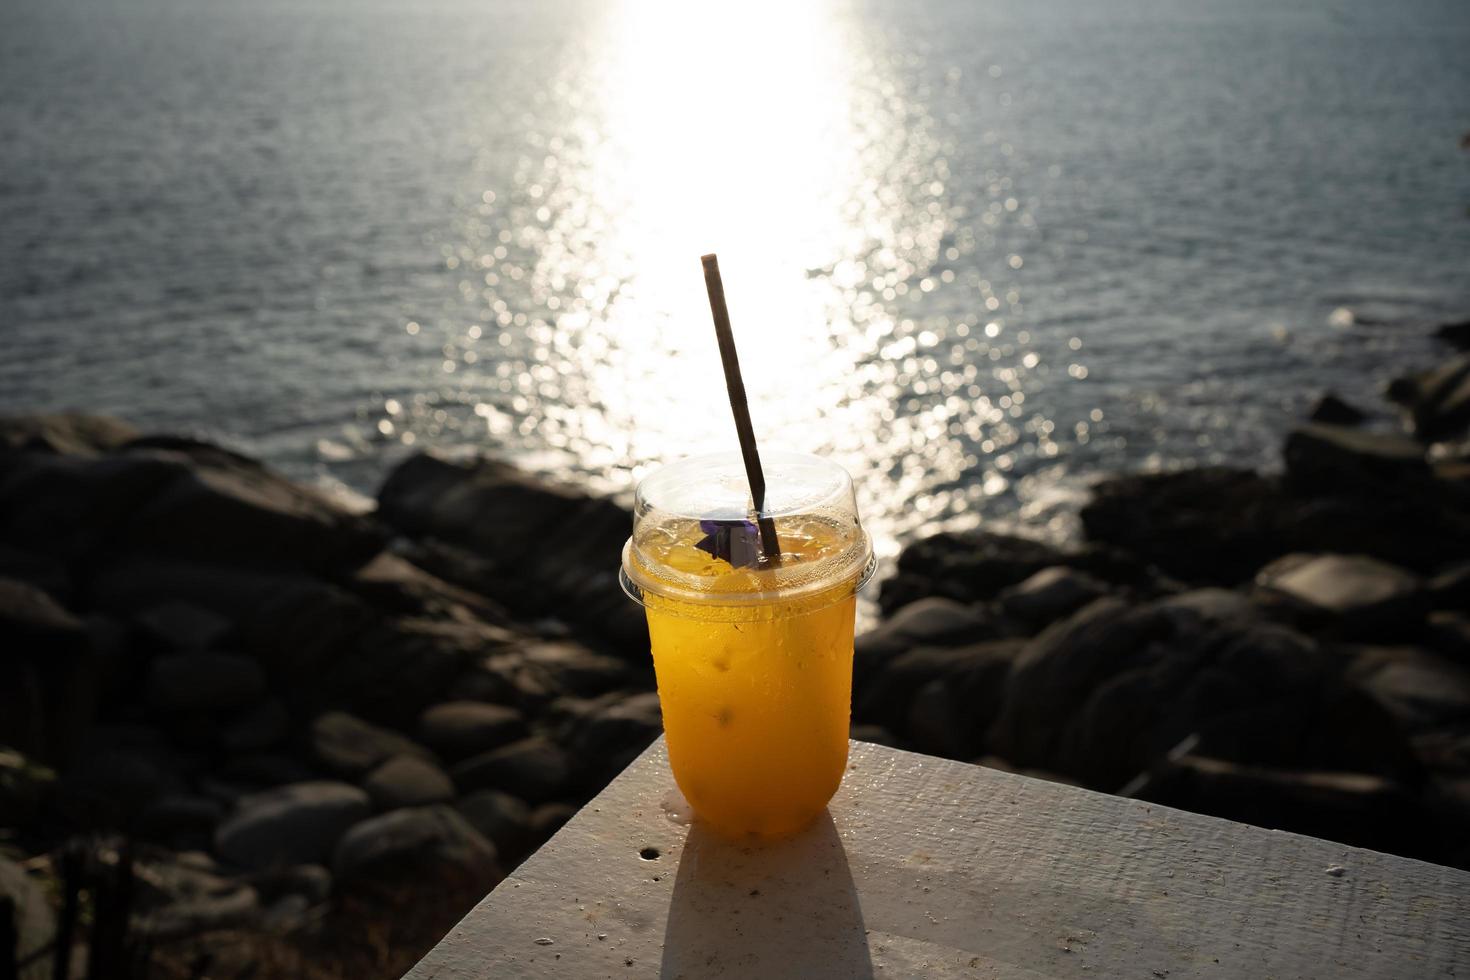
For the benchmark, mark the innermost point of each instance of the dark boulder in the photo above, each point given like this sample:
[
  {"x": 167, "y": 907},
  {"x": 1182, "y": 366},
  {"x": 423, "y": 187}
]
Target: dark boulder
[
  {"x": 429, "y": 847},
  {"x": 296, "y": 824},
  {"x": 392, "y": 583},
  {"x": 64, "y": 434},
  {"x": 548, "y": 818},
  {"x": 182, "y": 897},
  {"x": 1438, "y": 400},
  {"x": 612, "y": 735},
  {"x": 965, "y": 567},
  {"x": 243, "y": 596},
  {"x": 548, "y": 548},
  {"x": 1422, "y": 690},
  {"x": 203, "y": 682},
  {"x": 399, "y": 668},
  {"x": 1449, "y": 588},
  {"x": 502, "y": 819},
  {"x": 931, "y": 621},
  {"x": 1107, "y": 693},
  {"x": 181, "y": 821},
  {"x": 117, "y": 772},
  {"x": 407, "y": 780},
  {"x": 457, "y": 729},
  {"x": 262, "y": 726},
  {"x": 1353, "y": 593},
  {"x": 205, "y": 504},
  {"x": 224, "y": 505},
  {"x": 966, "y": 685},
  {"x": 52, "y": 676},
  {"x": 1219, "y": 526},
  {"x": 1455, "y": 334},
  {"x": 1354, "y": 808},
  {"x": 535, "y": 769},
  {"x": 182, "y": 626},
  {"x": 1326, "y": 458},
  {"x": 1332, "y": 410},
  {"x": 350, "y": 747},
  {"x": 1050, "y": 594}
]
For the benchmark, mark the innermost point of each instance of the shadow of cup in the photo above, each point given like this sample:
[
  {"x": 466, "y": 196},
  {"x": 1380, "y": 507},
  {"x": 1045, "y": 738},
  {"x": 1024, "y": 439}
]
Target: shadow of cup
[{"x": 783, "y": 909}]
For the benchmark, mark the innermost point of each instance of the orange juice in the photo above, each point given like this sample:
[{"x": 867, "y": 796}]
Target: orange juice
[{"x": 754, "y": 664}]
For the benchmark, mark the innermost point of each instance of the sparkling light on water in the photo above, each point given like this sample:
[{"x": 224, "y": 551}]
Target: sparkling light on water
[{"x": 797, "y": 156}]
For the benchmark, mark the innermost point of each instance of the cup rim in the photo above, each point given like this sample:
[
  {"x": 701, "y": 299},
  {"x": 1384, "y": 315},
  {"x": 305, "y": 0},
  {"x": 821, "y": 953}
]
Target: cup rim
[{"x": 638, "y": 591}]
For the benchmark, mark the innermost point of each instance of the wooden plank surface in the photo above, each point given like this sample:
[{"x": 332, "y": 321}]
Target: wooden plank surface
[{"x": 931, "y": 868}]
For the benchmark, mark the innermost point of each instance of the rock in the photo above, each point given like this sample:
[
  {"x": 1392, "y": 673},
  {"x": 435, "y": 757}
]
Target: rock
[
  {"x": 1437, "y": 399},
  {"x": 24, "y": 787},
  {"x": 613, "y": 735},
  {"x": 1455, "y": 334},
  {"x": 501, "y": 818},
  {"x": 350, "y": 747},
  {"x": 549, "y": 548},
  {"x": 535, "y": 769},
  {"x": 1326, "y": 457},
  {"x": 183, "y": 626},
  {"x": 50, "y": 683},
  {"x": 296, "y": 824},
  {"x": 963, "y": 567},
  {"x": 1448, "y": 634},
  {"x": 251, "y": 773},
  {"x": 1050, "y": 594},
  {"x": 203, "y": 682},
  {"x": 548, "y": 818},
  {"x": 1105, "y": 694},
  {"x": 1173, "y": 520},
  {"x": 181, "y": 821},
  {"x": 484, "y": 681},
  {"x": 1332, "y": 410},
  {"x": 72, "y": 507},
  {"x": 564, "y": 667},
  {"x": 176, "y": 899},
  {"x": 1449, "y": 588},
  {"x": 32, "y": 919},
  {"x": 1210, "y": 605},
  {"x": 241, "y": 595},
  {"x": 176, "y": 497},
  {"x": 457, "y": 729},
  {"x": 222, "y": 504},
  {"x": 964, "y": 686},
  {"x": 310, "y": 881},
  {"x": 111, "y": 779},
  {"x": 45, "y": 572},
  {"x": 1355, "y": 590},
  {"x": 432, "y": 844},
  {"x": 261, "y": 727},
  {"x": 286, "y": 914},
  {"x": 407, "y": 780},
  {"x": 932, "y": 621},
  {"x": 1420, "y": 689},
  {"x": 399, "y": 668},
  {"x": 392, "y": 583},
  {"x": 1219, "y": 526},
  {"x": 64, "y": 433},
  {"x": 1353, "y": 808}
]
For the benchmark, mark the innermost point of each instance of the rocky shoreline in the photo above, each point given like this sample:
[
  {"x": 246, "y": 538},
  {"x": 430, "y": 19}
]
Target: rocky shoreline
[{"x": 293, "y": 739}]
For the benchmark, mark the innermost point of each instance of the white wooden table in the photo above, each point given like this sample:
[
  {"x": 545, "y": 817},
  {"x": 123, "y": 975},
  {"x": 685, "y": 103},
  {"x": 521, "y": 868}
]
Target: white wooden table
[{"x": 929, "y": 868}]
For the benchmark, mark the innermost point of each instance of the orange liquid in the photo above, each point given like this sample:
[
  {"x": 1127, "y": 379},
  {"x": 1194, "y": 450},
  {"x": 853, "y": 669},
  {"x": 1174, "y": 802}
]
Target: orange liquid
[{"x": 756, "y": 699}]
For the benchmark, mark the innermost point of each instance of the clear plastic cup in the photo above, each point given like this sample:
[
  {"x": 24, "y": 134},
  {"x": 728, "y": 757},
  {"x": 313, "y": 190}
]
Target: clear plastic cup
[{"x": 753, "y": 657}]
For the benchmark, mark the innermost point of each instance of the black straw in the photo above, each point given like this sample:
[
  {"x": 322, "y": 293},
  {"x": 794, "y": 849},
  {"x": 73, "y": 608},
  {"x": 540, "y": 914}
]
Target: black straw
[{"x": 770, "y": 544}]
